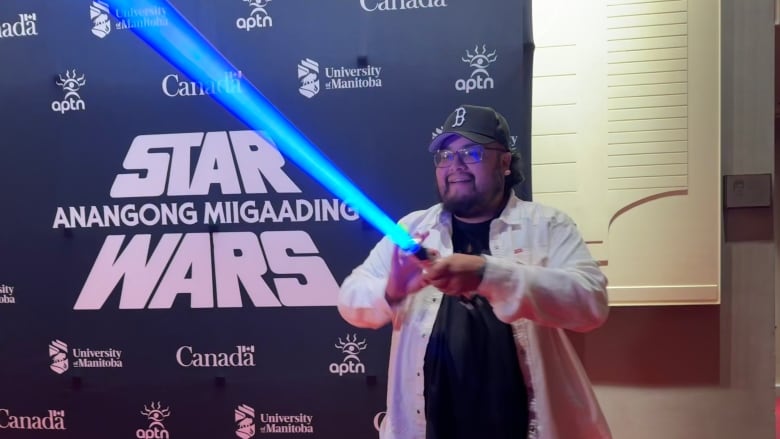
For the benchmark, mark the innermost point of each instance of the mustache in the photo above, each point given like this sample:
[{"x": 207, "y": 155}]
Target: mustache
[{"x": 460, "y": 177}]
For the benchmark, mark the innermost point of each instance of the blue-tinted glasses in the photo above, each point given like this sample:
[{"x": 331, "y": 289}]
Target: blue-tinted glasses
[{"x": 470, "y": 154}]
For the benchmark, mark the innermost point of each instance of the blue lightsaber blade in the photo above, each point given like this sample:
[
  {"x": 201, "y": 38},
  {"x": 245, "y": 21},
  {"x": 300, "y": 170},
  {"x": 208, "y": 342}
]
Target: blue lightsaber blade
[{"x": 189, "y": 51}]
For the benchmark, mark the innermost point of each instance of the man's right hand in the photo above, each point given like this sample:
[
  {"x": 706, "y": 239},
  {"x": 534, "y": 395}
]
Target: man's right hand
[{"x": 406, "y": 275}]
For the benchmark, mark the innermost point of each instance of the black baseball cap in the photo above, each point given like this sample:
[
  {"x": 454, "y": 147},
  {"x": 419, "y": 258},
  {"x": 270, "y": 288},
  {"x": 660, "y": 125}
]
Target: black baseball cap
[{"x": 481, "y": 125}]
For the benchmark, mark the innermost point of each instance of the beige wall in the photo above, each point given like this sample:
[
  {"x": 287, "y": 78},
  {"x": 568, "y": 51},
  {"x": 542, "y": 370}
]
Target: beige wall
[
  {"x": 624, "y": 108},
  {"x": 706, "y": 371},
  {"x": 776, "y": 192}
]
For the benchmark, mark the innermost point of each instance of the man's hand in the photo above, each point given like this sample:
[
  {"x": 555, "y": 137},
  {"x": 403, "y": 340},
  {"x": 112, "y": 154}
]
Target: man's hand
[
  {"x": 406, "y": 274},
  {"x": 456, "y": 275}
]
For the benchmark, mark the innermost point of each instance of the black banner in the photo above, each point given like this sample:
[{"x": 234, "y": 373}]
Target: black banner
[{"x": 179, "y": 271}]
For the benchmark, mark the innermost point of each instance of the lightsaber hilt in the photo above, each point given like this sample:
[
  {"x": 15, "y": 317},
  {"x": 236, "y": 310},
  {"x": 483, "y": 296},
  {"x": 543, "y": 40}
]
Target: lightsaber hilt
[
  {"x": 418, "y": 251},
  {"x": 422, "y": 254}
]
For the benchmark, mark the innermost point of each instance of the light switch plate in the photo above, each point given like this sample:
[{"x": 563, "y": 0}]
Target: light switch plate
[{"x": 748, "y": 190}]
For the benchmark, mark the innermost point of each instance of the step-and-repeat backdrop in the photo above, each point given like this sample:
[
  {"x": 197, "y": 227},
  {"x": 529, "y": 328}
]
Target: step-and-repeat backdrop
[{"x": 165, "y": 271}]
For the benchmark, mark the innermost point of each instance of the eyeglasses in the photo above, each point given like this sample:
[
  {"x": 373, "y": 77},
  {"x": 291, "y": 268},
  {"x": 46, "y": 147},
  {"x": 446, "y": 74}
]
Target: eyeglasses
[{"x": 470, "y": 154}]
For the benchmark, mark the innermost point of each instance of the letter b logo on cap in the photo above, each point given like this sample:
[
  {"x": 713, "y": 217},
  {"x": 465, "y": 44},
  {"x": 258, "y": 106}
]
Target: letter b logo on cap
[{"x": 460, "y": 117}]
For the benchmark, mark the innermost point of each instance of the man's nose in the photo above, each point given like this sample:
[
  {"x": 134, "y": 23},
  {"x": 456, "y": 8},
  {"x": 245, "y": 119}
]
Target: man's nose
[{"x": 457, "y": 161}]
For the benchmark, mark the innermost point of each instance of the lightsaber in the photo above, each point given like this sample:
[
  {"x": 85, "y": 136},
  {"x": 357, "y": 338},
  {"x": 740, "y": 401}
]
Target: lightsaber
[{"x": 189, "y": 51}]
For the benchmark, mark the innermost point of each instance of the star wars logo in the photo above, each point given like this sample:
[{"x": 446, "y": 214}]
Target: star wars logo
[{"x": 211, "y": 269}]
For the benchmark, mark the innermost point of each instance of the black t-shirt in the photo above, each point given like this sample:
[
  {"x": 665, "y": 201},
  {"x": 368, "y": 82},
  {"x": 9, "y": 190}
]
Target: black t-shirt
[{"x": 474, "y": 387}]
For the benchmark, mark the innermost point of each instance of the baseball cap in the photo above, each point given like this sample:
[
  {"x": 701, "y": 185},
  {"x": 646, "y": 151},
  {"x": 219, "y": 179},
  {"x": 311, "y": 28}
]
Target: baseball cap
[{"x": 481, "y": 125}]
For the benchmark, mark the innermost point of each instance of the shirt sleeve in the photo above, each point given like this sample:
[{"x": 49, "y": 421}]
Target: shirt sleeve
[
  {"x": 361, "y": 300},
  {"x": 568, "y": 291}
]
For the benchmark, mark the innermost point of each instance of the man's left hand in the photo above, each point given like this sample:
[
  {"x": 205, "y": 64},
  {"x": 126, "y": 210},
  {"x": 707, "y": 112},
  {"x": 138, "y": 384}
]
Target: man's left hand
[{"x": 456, "y": 275}]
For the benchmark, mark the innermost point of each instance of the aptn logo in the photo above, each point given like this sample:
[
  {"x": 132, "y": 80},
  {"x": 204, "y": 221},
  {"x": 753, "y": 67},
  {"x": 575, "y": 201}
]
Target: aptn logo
[
  {"x": 71, "y": 84},
  {"x": 351, "y": 363},
  {"x": 24, "y": 27},
  {"x": 480, "y": 78},
  {"x": 258, "y": 16},
  {"x": 155, "y": 415},
  {"x": 244, "y": 417}
]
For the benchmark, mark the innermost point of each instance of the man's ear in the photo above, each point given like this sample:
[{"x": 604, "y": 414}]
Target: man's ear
[{"x": 506, "y": 162}]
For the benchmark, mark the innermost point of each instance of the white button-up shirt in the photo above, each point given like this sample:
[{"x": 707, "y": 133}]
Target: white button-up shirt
[{"x": 540, "y": 278}]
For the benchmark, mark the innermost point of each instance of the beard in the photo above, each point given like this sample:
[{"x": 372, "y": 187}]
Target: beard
[
  {"x": 474, "y": 203},
  {"x": 463, "y": 205}
]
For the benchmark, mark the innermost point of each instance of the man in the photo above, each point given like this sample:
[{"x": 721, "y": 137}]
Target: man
[{"x": 478, "y": 347}]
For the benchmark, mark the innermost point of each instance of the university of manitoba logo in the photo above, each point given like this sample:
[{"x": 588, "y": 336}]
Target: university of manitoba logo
[
  {"x": 155, "y": 415},
  {"x": 480, "y": 78},
  {"x": 82, "y": 357},
  {"x": 7, "y": 294},
  {"x": 351, "y": 363},
  {"x": 71, "y": 84},
  {"x": 24, "y": 26},
  {"x": 277, "y": 423},
  {"x": 258, "y": 16},
  {"x": 245, "y": 421},
  {"x": 101, "y": 19},
  {"x": 128, "y": 18},
  {"x": 336, "y": 78},
  {"x": 58, "y": 352},
  {"x": 308, "y": 74}
]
